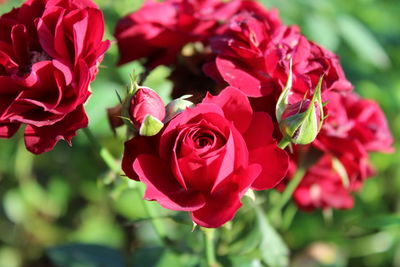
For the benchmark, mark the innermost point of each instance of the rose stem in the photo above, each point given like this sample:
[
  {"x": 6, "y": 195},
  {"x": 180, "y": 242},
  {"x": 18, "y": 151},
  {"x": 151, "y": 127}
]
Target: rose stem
[
  {"x": 283, "y": 143},
  {"x": 288, "y": 192},
  {"x": 152, "y": 214},
  {"x": 209, "y": 246},
  {"x": 109, "y": 160},
  {"x": 103, "y": 152}
]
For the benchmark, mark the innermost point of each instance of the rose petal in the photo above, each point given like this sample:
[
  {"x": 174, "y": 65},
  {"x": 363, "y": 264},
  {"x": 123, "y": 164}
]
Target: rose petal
[
  {"x": 163, "y": 187},
  {"x": 133, "y": 148},
  {"x": 220, "y": 208},
  {"x": 222, "y": 205},
  {"x": 264, "y": 151},
  {"x": 43, "y": 139},
  {"x": 7, "y": 130},
  {"x": 235, "y": 105}
]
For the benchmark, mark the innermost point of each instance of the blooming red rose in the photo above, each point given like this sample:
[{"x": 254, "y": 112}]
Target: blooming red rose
[
  {"x": 354, "y": 127},
  {"x": 253, "y": 55},
  {"x": 49, "y": 53},
  {"x": 207, "y": 157},
  {"x": 322, "y": 187},
  {"x": 163, "y": 28},
  {"x": 351, "y": 117}
]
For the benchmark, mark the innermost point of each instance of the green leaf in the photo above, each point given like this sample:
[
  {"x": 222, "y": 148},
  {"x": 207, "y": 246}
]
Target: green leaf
[
  {"x": 150, "y": 126},
  {"x": 240, "y": 261},
  {"x": 362, "y": 41},
  {"x": 84, "y": 255},
  {"x": 161, "y": 257},
  {"x": 381, "y": 221},
  {"x": 273, "y": 250}
]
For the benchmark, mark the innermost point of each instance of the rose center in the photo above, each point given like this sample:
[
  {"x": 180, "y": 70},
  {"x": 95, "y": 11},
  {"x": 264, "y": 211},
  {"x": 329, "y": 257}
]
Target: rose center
[
  {"x": 35, "y": 57},
  {"x": 203, "y": 140}
]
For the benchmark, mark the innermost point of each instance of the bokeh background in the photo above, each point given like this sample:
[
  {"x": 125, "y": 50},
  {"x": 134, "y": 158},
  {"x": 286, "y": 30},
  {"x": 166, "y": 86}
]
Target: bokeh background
[{"x": 66, "y": 208}]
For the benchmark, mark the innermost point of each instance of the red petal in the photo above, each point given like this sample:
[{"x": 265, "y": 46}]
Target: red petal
[
  {"x": 7, "y": 130},
  {"x": 264, "y": 151},
  {"x": 133, "y": 148},
  {"x": 43, "y": 139},
  {"x": 235, "y": 105},
  {"x": 163, "y": 187}
]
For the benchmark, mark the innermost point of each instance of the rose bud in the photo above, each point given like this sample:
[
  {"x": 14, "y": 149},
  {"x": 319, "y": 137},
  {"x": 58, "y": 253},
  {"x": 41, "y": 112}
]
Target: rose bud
[
  {"x": 299, "y": 122},
  {"x": 176, "y": 106},
  {"x": 147, "y": 111}
]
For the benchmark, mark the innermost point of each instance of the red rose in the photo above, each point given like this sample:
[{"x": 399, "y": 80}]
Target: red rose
[
  {"x": 163, "y": 28},
  {"x": 322, "y": 187},
  {"x": 253, "y": 55},
  {"x": 145, "y": 102},
  {"x": 49, "y": 53},
  {"x": 207, "y": 157},
  {"x": 358, "y": 119},
  {"x": 354, "y": 127}
]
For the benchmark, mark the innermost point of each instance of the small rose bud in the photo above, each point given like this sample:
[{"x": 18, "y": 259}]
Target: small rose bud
[
  {"x": 176, "y": 106},
  {"x": 145, "y": 102},
  {"x": 146, "y": 111},
  {"x": 300, "y": 122}
]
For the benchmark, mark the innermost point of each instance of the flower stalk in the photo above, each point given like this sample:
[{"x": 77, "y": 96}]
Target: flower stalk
[
  {"x": 110, "y": 161},
  {"x": 209, "y": 236}
]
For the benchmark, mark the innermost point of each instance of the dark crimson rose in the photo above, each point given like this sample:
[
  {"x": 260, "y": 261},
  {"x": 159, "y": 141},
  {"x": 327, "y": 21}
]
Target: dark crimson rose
[
  {"x": 49, "y": 53},
  {"x": 254, "y": 54},
  {"x": 145, "y": 102},
  {"x": 322, "y": 187},
  {"x": 163, "y": 28},
  {"x": 207, "y": 157},
  {"x": 354, "y": 127},
  {"x": 351, "y": 117}
]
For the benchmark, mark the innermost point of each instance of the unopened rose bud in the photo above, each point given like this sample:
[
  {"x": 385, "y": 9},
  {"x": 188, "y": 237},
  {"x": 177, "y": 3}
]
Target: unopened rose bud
[
  {"x": 176, "y": 106},
  {"x": 300, "y": 122},
  {"x": 146, "y": 110}
]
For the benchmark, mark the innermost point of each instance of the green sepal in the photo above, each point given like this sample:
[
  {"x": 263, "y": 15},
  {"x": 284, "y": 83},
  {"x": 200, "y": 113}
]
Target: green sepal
[
  {"x": 303, "y": 128},
  {"x": 150, "y": 126},
  {"x": 283, "y": 99},
  {"x": 176, "y": 106}
]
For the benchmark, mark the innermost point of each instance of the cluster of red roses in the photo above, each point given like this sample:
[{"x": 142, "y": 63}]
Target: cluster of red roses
[
  {"x": 234, "y": 58},
  {"x": 48, "y": 57},
  {"x": 208, "y": 156}
]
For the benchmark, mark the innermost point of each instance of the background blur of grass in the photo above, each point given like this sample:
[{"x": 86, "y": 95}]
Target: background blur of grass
[{"x": 69, "y": 196}]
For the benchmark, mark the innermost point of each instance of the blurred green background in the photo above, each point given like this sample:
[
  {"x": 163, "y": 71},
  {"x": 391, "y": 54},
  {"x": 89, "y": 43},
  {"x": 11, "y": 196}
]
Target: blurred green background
[{"x": 66, "y": 208}]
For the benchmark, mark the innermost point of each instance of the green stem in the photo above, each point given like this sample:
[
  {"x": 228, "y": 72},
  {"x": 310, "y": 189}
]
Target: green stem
[
  {"x": 287, "y": 194},
  {"x": 209, "y": 247},
  {"x": 109, "y": 160},
  {"x": 105, "y": 155},
  {"x": 283, "y": 143},
  {"x": 153, "y": 214}
]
